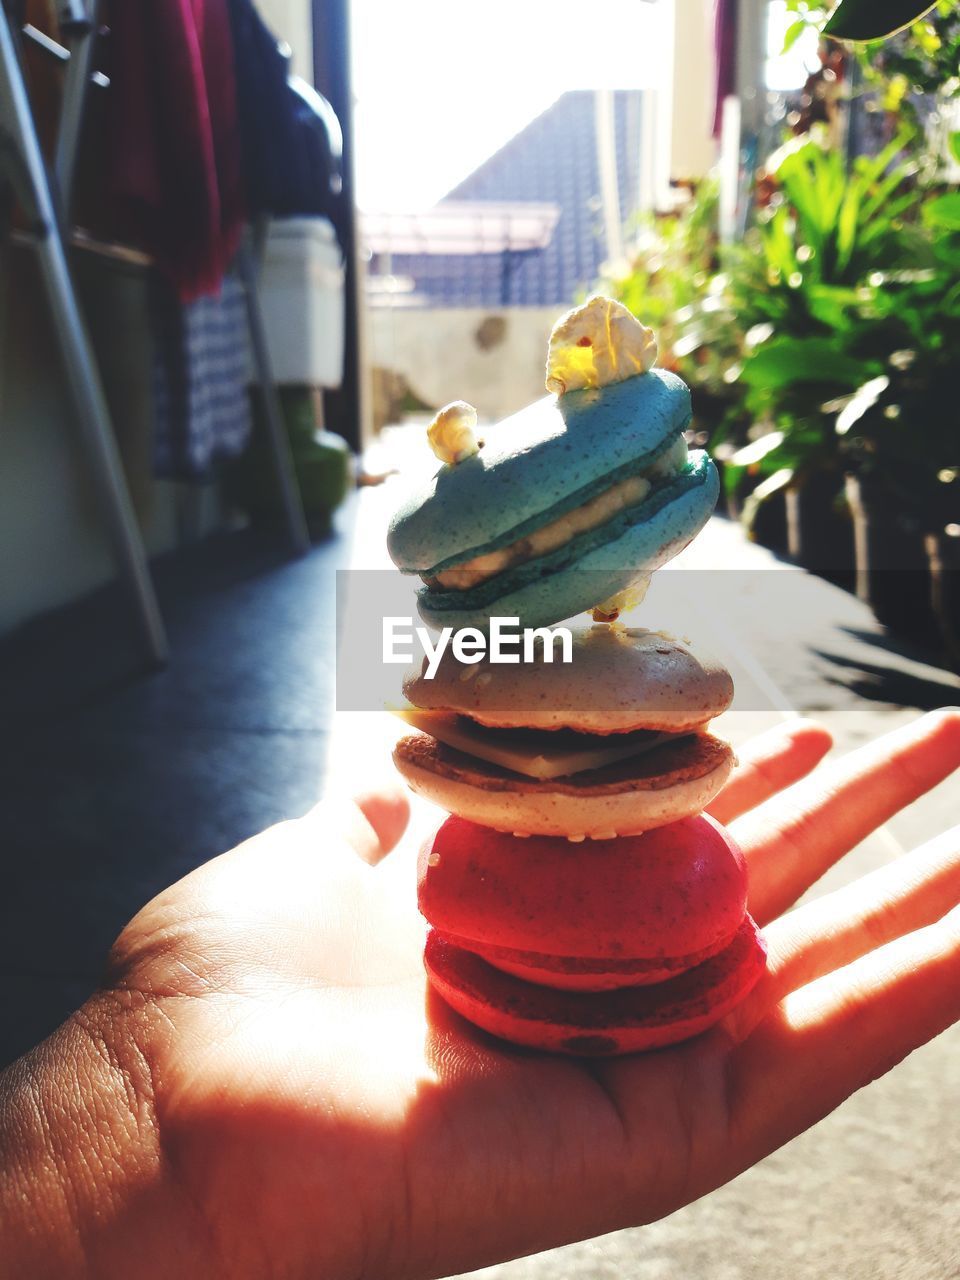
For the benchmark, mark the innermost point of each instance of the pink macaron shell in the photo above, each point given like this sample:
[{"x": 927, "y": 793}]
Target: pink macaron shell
[
  {"x": 588, "y": 973},
  {"x": 599, "y": 1024},
  {"x": 676, "y": 891}
]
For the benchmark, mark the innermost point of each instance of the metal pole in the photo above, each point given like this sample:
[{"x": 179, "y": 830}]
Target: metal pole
[
  {"x": 80, "y": 35},
  {"x": 276, "y": 432},
  {"x": 18, "y": 133},
  {"x": 348, "y": 405}
]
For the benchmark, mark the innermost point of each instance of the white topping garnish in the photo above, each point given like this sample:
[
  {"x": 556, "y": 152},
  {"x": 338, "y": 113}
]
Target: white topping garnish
[
  {"x": 596, "y": 344},
  {"x": 452, "y": 433}
]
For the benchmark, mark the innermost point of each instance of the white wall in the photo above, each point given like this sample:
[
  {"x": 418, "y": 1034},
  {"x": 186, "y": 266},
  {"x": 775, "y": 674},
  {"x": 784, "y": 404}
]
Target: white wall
[
  {"x": 693, "y": 151},
  {"x": 439, "y": 354},
  {"x": 53, "y": 546}
]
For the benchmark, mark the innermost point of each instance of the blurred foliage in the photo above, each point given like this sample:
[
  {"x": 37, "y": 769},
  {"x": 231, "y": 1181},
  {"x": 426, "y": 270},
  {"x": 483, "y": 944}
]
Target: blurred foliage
[
  {"x": 670, "y": 265},
  {"x": 846, "y": 292},
  {"x": 923, "y": 60},
  {"x": 828, "y": 341},
  {"x": 862, "y": 307},
  {"x": 672, "y": 281},
  {"x": 900, "y": 428},
  {"x": 926, "y": 59},
  {"x": 804, "y": 287}
]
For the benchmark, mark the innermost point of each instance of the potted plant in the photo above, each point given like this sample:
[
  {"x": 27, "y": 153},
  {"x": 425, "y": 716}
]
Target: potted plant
[
  {"x": 806, "y": 286},
  {"x": 899, "y": 439}
]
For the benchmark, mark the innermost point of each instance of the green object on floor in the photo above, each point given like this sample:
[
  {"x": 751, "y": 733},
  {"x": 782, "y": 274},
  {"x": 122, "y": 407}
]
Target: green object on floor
[{"x": 321, "y": 461}]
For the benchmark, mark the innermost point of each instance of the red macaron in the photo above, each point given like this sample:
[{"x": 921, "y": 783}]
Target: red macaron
[{"x": 599, "y": 947}]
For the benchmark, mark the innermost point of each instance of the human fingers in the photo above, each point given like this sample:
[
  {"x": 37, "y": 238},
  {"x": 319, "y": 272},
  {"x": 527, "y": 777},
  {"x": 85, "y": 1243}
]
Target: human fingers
[
  {"x": 369, "y": 823},
  {"x": 768, "y": 763},
  {"x": 910, "y": 893},
  {"x": 387, "y": 811},
  {"x": 790, "y": 840},
  {"x": 837, "y": 1034}
]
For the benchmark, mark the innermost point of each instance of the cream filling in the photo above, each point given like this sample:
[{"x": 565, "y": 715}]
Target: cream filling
[
  {"x": 542, "y": 754},
  {"x": 600, "y": 509}
]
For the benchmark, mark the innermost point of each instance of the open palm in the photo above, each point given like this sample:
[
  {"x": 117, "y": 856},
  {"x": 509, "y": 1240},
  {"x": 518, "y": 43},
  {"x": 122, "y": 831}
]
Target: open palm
[{"x": 304, "y": 1107}]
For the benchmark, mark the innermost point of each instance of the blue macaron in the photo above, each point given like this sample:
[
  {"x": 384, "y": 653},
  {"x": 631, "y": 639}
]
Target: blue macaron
[{"x": 566, "y": 503}]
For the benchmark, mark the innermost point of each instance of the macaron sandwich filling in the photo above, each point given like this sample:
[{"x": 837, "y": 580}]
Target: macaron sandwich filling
[
  {"x": 611, "y": 743},
  {"x": 578, "y": 898},
  {"x": 639, "y": 943},
  {"x": 615, "y": 506},
  {"x": 561, "y": 782},
  {"x": 581, "y": 494}
]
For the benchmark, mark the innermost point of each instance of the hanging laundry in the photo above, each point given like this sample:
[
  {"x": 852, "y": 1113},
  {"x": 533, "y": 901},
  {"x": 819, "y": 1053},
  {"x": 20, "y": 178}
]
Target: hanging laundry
[
  {"x": 201, "y": 370},
  {"x": 173, "y": 170}
]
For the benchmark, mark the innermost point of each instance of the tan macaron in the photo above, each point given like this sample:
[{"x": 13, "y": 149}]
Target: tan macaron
[
  {"x": 620, "y": 678},
  {"x": 609, "y": 744}
]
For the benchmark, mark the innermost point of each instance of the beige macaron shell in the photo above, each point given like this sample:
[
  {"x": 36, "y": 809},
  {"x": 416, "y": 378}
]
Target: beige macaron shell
[
  {"x": 601, "y": 812},
  {"x": 621, "y": 678}
]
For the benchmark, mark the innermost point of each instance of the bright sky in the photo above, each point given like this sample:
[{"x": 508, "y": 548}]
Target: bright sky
[{"x": 441, "y": 84}]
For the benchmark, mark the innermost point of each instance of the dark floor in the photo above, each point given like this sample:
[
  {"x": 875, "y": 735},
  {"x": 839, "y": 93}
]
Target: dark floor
[{"x": 114, "y": 782}]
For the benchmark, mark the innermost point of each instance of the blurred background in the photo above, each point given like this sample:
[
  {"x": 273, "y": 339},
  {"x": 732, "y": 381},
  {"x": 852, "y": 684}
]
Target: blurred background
[{"x": 250, "y": 246}]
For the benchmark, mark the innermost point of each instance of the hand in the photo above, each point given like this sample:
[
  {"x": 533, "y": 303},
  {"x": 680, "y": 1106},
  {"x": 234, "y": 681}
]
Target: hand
[{"x": 264, "y": 1087}]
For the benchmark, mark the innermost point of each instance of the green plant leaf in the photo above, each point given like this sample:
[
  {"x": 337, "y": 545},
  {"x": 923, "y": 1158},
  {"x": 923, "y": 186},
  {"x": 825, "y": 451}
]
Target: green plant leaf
[
  {"x": 847, "y": 223},
  {"x": 943, "y": 212},
  {"x": 793, "y": 34},
  {"x": 836, "y": 305},
  {"x": 778, "y": 243},
  {"x": 785, "y": 362},
  {"x": 863, "y": 20},
  {"x": 873, "y": 176},
  {"x": 954, "y": 143}
]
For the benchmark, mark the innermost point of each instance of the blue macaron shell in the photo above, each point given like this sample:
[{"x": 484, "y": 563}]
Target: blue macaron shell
[
  {"x": 590, "y": 568},
  {"x": 533, "y": 467}
]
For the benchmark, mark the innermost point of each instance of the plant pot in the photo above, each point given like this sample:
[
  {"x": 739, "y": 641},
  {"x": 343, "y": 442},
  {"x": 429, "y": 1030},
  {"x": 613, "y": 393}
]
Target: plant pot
[
  {"x": 943, "y": 557},
  {"x": 770, "y": 525},
  {"x": 820, "y": 528},
  {"x": 892, "y": 566}
]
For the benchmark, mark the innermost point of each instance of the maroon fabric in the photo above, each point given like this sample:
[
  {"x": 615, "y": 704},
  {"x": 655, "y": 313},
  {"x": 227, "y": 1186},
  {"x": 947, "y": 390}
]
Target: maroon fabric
[
  {"x": 173, "y": 173},
  {"x": 725, "y": 53}
]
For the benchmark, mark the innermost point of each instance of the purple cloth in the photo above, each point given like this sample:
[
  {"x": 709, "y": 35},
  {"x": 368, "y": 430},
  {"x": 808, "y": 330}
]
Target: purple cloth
[{"x": 725, "y": 56}]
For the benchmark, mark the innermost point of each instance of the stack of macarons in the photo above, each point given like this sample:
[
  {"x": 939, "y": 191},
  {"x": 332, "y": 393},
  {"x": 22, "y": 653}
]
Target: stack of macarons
[{"x": 578, "y": 898}]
